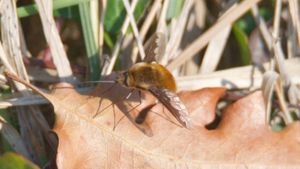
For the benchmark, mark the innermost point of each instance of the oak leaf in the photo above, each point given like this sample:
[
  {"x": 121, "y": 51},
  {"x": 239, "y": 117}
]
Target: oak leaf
[{"x": 93, "y": 132}]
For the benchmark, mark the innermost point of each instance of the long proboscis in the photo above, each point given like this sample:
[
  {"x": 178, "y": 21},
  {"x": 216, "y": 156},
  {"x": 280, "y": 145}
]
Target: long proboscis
[{"x": 100, "y": 81}]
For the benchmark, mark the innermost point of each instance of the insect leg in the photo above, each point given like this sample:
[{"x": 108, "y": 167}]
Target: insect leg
[
  {"x": 98, "y": 111},
  {"x": 143, "y": 114},
  {"x": 133, "y": 107}
]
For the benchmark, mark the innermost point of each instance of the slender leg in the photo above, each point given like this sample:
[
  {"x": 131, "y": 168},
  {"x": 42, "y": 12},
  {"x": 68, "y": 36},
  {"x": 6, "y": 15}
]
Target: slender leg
[
  {"x": 144, "y": 112},
  {"x": 98, "y": 112},
  {"x": 149, "y": 109},
  {"x": 126, "y": 114},
  {"x": 133, "y": 107},
  {"x": 165, "y": 116}
]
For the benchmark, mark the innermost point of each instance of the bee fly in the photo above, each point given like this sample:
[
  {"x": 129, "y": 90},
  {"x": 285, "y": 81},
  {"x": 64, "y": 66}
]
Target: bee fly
[{"x": 155, "y": 78}]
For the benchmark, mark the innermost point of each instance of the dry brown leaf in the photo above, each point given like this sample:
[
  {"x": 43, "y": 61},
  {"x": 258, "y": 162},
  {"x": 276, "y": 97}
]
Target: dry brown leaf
[{"x": 242, "y": 139}]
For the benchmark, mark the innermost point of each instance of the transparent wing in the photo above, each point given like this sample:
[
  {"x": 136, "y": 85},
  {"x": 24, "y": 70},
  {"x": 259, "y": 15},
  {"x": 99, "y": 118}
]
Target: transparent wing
[
  {"x": 172, "y": 102},
  {"x": 155, "y": 47}
]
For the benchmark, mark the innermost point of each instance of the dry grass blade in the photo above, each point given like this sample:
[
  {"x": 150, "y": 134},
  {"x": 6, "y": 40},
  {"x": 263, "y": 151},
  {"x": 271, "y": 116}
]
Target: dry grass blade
[
  {"x": 145, "y": 27},
  {"x": 215, "y": 49},
  {"x": 292, "y": 43},
  {"x": 262, "y": 27},
  {"x": 293, "y": 91},
  {"x": 2, "y": 80},
  {"x": 150, "y": 17},
  {"x": 33, "y": 127},
  {"x": 235, "y": 78},
  {"x": 42, "y": 75},
  {"x": 267, "y": 87},
  {"x": 13, "y": 137},
  {"x": 161, "y": 27},
  {"x": 31, "y": 131},
  {"x": 16, "y": 99},
  {"x": 4, "y": 60},
  {"x": 294, "y": 10},
  {"x": 176, "y": 33},
  {"x": 10, "y": 38},
  {"x": 24, "y": 49},
  {"x": 22, "y": 101},
  {"x": 52, "y": 36},
  {"x": 119, "y": 42},
  {"x": 94, "y": 13},
  {"x": 279, "y": 59},
  {"x": 202, "y": 41},
  {"x": 294, "y": 94},
  {"x": 101, "y": 29},
  {"x": 12, "y": 58},
  {"x": 134, "y": 28}
]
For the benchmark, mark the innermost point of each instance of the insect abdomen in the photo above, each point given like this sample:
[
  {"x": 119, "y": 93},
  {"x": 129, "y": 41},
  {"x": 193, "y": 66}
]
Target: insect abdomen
[{"x": 146, "y": 75}]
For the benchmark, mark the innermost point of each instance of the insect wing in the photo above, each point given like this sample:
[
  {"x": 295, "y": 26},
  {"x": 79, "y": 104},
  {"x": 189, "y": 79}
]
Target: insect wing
[
  {"x": 172, "y": 102},
  {"x": 155, "y": 47}
]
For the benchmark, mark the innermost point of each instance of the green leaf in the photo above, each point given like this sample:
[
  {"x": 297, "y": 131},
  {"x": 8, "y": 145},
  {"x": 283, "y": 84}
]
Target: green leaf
[
  {"x": 174, "y": 8},
  {"x": 68, "y": 13},
  {"x": 140, "y": 9},
  {"x": 29, "y": 10},
  {"x": 108, "y": 41},
  {"x": 247, "y": 23},
  {"x": 89, "y": 41},
  {"x": 115, "y": 14},
  {"x": 11, "y": 160},
  {"x": 242, "y": 39},
  {"x": 266, "y": 13}
]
